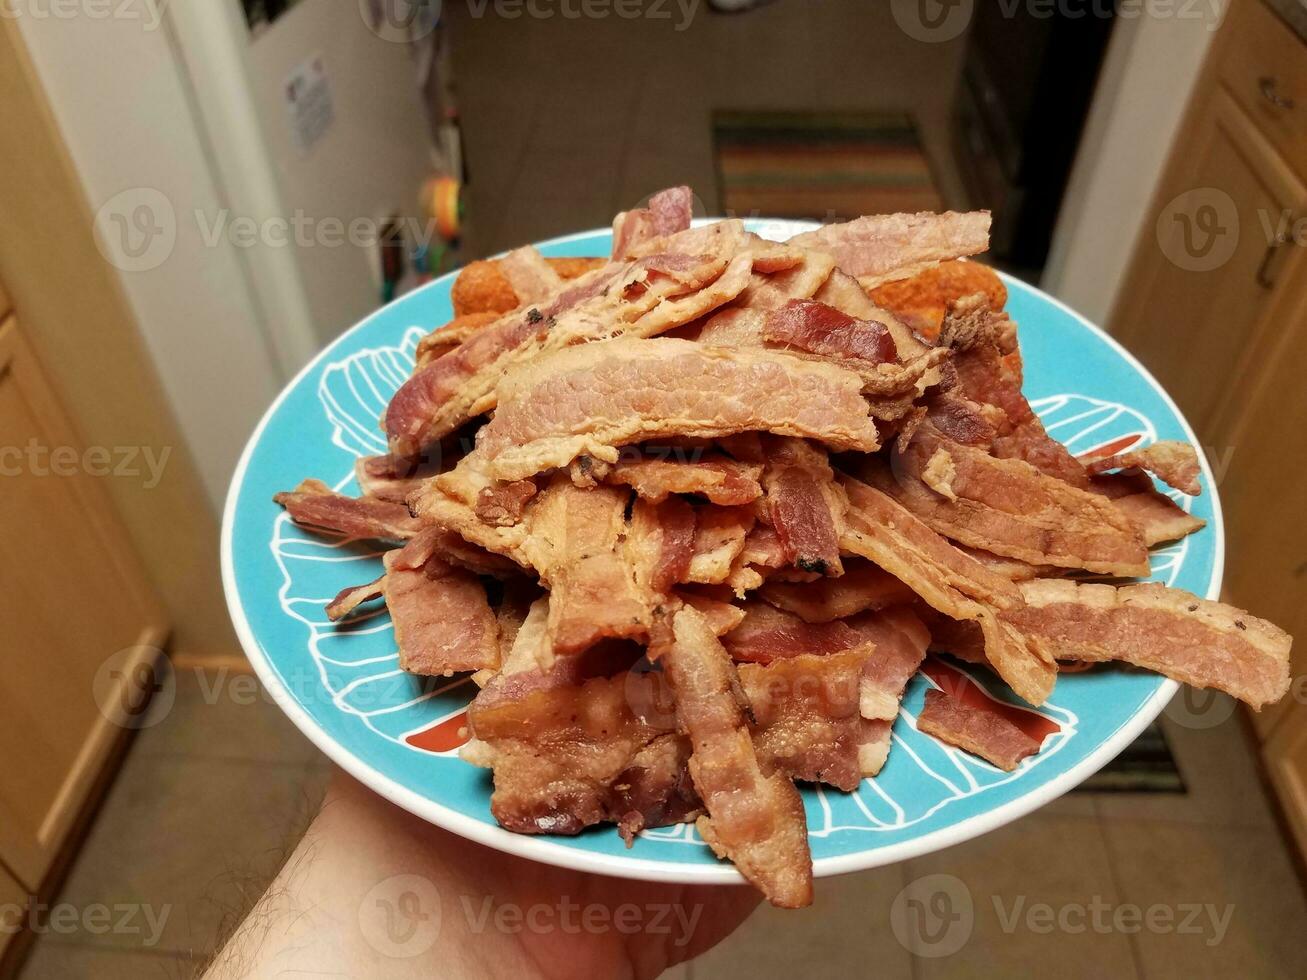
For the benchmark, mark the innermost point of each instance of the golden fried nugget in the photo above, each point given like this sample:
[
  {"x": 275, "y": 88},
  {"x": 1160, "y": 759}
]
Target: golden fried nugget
[
  {"x": 482, "y": 288},
  {"x": 575, "y": 268},
  {"x": 922, "y": 301}
]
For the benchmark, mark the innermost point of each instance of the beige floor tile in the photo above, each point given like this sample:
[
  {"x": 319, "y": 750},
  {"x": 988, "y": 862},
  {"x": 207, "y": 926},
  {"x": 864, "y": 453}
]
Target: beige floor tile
[
  {"x": 195, "y": 840},
  {"x": 54, "y": 962},
  {"x": 1179, "y": 869},
  {"x": 846, "y": 929},
  {"x": 1220, "y": 774},
  {"x": 1027, "y": 890},
  {"x": 1070, "y": 805},
  {"x": 222, "y": 715},
  {"x": 627, "y": 107}
]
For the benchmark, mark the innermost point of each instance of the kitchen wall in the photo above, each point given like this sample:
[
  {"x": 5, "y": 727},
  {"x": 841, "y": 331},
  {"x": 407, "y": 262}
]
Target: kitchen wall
[
  {"x": 371, "y": 162},
  {"x": 1150, "y": 71},
  {"x": 192, "y": 116},
  {"x": 196, "y": 312}
]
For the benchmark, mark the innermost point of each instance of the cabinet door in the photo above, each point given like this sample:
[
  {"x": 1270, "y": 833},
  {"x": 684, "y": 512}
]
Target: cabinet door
[
  {"x": 79, "y": 618},
  {"x": 1263, "y": 488},
  {"x": 1286, "y": 762},
  {"x": 1210, "y": 278},
  {"x": 13, "y": 905}
]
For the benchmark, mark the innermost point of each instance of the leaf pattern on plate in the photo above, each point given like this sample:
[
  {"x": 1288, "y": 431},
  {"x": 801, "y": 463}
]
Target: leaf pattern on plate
[{"x": 356, "y": 668}]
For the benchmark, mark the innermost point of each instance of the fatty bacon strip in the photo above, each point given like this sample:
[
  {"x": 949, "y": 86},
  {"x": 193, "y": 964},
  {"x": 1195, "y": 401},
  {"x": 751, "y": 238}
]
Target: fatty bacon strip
[{"x": 693, "y": 516}]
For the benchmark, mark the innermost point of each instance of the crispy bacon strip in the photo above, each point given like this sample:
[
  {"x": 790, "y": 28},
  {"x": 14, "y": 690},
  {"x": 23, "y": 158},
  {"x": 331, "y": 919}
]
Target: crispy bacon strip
[
  {"x": 1199, "y": 642},
  {"x": 594, "y": 398},
  {"x": 719, "y": 539},
  {"x": 444, "y": 339},
  {"x": 805, "y": 508},
  {"x": 821, "y": 329},
  {"x": 900, "y": 640},
  {"x": 755, "y": 819},
  {"x": 392, "y": 478},
  {"x": 973, "y": 729},
  {"x": 722, "y": 616},
  {"x": 768, "y": 634},
  {"x": 351, "y": 598},
  {"x": 906, "y": 542},
  {"x": 802, "y": 518},
  {"x": 641, "y": 298},
  {"x": 806, "y": 722},
  {"x": 844, "y": 293},
  {"x": 456, "y": 551},
  {"x": 948, "y": 581},
  {"x": 1009, "y": 508},
  {"x": 889, "y": 384},
  {"x": 594, "y": 593},
  {"x": 443, "y": 621},
  {"x": 1010, "y": 568},
  {"x": 503, "y": 504},
  {"x": 798, "y": 282},
  {"x": 977, "y": 333},
  {"x": 315, "y": 505},
  {"x": 669, "y": 212},
  {"x": 1158, "y": 517},
  {"x": 530, "y": 276},
  {"x": 882, "y": 248},
  {"x": 723, "y": 481},
  {"x": 863, "y": 586},
  {"x": 569, "y": 753},
  {"x": 661, "y": 545},
  {"x": 1174, "y": 463}
]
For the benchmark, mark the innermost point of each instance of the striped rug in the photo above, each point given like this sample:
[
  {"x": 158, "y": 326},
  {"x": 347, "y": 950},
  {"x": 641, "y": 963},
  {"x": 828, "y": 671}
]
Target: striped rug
[
  {"x": 1146, "y": 766},
  {"x": 820, "y": 165}
]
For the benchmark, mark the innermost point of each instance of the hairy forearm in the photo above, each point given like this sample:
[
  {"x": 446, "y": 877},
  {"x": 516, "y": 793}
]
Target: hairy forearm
[
  {"x": 362, "y": 896},
  {"x": 372, "y": 891}
]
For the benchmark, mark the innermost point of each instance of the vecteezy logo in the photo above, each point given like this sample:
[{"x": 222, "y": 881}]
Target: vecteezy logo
[
  {"x": 136, "y": 230},
  {"x": 932, "y": 20},
  {"x": 1199, "y": 229},
  {"x": 400, "y": 917},
  {"x": 401, "y": 21},
  {"x": 933, "y": 916},
  {"x": 1199, "y": 708},
  {"x": 135, "y": 688}
]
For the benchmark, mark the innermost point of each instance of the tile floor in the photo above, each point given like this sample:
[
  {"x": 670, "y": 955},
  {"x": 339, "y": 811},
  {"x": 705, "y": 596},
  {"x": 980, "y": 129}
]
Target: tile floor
[
  {"x": 566, "y": 122},
  {"x": 214, "y": 795}
]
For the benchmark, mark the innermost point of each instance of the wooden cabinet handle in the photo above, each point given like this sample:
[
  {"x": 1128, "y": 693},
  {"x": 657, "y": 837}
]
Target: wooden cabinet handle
[{"x": 1270, "y": 86}]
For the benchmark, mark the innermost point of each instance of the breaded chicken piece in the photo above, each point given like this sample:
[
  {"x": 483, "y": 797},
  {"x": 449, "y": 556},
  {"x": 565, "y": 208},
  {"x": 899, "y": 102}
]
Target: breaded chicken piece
[
  {"x": 482, "y": 288},
  {"x": 922, "y": 301}
]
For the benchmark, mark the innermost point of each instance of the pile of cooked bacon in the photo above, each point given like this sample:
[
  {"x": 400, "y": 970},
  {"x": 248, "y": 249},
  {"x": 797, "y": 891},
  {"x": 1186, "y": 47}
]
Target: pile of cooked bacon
[{"x": 695, "y": 515}]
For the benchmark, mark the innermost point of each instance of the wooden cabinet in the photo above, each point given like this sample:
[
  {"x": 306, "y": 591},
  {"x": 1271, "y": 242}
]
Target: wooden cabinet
[
  {"x": 1200, "y": 330},
  {"x": 79, "y": 618},
  {"x": 1266, "y": 562},
  {"x": 13, "y": 902},
  {"x": 1286, "y": 761},
  {"x": 1226, "y": 330}
]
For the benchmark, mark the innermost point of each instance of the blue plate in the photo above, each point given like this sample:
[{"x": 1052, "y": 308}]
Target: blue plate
[{"x": 400, "y": 735}]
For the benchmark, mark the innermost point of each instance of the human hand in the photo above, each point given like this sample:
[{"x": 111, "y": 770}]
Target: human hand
[{"x": 374, "y": 891}]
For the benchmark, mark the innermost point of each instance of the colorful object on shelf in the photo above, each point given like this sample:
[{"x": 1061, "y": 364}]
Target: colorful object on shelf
[
  {"x": 442, "y": 200},
  {"x": 442, "y": 197}
]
